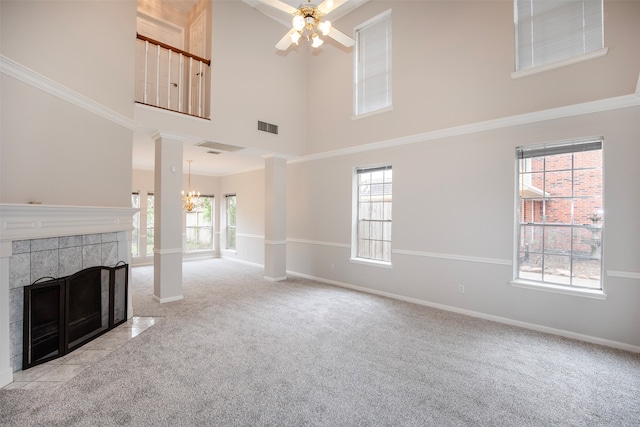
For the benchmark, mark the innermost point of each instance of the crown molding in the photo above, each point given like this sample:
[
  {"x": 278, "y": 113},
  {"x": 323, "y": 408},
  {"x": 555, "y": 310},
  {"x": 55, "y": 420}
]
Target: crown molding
[
  {"x": 167, "y": 135},
  {"x": 25, "y": 74}
]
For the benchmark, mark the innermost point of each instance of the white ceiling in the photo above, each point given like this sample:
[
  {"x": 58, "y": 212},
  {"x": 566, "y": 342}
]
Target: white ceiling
[{"x": 226, "y": 162}]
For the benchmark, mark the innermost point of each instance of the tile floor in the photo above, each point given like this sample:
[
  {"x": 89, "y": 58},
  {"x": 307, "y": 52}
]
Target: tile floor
[{"x": 58, "y": 371}]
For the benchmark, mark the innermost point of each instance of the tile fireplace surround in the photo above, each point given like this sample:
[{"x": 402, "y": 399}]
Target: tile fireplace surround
[{"x": 49, "y": 240}]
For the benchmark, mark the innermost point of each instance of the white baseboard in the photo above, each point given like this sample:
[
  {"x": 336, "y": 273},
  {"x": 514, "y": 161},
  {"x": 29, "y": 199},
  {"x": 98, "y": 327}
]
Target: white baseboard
[
  {"x": 170, "y": 299},
  {"x": 499, "y": 319}
]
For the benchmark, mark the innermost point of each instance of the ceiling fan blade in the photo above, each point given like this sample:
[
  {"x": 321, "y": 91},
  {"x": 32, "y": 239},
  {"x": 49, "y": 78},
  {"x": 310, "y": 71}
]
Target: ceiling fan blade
[
  {"x": 341, "y": 37},
  {"x": 280, "y": 5},
  {"x": 328, "y": 5},
  {"x": 285, "y": 42}
]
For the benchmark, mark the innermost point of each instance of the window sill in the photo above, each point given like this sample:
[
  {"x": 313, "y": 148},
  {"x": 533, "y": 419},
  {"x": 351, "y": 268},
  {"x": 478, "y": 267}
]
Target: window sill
[
  {"x": 557, "y": 64},
  {"x": 559, "y": 289},
  {"x": 372, "y": 262},
  {"x": 372, "y": 113}
]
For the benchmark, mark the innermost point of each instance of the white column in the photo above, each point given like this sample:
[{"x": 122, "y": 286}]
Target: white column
[
  {"x": 6, "y": 371},
  {"x": 275, "y": 230},
  {"x": 167, "y": 253}
]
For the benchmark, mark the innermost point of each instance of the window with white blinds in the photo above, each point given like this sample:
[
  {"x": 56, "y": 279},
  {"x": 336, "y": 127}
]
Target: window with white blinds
[
  {"x": 548, "y": 31},
  {"x": 372, "y": 221},
  {"x": 373, "y": 65}
]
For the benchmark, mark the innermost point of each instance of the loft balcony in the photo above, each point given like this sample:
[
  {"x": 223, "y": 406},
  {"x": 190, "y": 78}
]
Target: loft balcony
[{"x": 172, "y": 79}]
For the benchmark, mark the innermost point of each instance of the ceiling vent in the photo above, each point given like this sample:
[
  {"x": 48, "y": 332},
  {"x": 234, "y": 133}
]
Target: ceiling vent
[
  {"x": 268, "y": 127},
  {"x": 213, "y": 152},
  {"x": 218, "y": 146}
]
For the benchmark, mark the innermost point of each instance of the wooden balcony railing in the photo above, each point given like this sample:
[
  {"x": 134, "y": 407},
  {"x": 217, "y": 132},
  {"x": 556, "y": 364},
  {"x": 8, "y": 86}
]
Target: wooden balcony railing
[{"x": 171, "y": 78}]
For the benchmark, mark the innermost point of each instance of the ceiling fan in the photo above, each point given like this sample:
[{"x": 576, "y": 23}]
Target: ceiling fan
[{"x": 307, "y": 23}]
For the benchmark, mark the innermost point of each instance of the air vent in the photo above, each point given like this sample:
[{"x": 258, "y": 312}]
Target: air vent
[
  {"x": 213, "y": 152},
  {"x": 268, "y": 127},
  {"x": 218, "y": 146}
]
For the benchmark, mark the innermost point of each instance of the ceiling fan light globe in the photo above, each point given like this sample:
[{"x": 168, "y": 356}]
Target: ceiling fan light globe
[
  {"x": 325, "y": 27},
  {"x": 298, "y": 22},
  {"x": 316, "y": 41},
  {"x": 295, "y": 37}
]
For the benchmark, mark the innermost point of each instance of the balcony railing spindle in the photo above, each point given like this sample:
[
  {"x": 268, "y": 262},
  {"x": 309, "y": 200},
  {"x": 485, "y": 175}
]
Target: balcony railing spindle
[
  {"x": 146, "y": 67},
  {"x": 180, "y": 83},
  {"x": 158, "y": 75}
]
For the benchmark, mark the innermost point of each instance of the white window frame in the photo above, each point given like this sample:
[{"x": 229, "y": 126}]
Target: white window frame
[
  {"x": 228, "y": 227},
  {"x": 574, "y": 43},
  {"x": 360, "y": 88},
  {"x": 355, "y": 238},
  {"x": 198, "y": 227},
  {"x": 523, "y": 185}
]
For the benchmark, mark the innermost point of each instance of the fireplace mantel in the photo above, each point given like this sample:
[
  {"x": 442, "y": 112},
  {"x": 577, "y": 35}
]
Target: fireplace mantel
[{"x": 31, "y": 222}]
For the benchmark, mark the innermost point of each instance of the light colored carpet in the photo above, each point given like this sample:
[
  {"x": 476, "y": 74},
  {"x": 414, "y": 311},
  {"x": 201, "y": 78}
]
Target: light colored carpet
[{"x": 241, "y": 351}]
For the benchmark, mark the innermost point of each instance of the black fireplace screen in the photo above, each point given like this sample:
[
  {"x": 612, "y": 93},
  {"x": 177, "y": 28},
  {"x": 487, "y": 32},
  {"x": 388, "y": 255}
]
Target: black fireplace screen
[{"x": 61, "y": 315}]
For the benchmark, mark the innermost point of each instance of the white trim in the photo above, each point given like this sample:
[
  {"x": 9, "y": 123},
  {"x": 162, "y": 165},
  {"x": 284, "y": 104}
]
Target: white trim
[
  {"x": 408, "y": 252},
  {"x": 37, "y": 80},
  {"x": 159, "y": 134},
  {"x": 559, "y": 289},
  {"x": 171, "y": 112},
  {"x": 242, "y": 261},
  {"x": 167, "y": 251},
  {"x": 371, "y": 262},
  {"x": 615, "y": 103},
  {"x": 561, "y": 63},
  {"x": 623, "y": 274},
  {"x": 25, "y": 221},
  {"x": 250, "y": 236},
  {"x": 274, "y": 242},
  {"x": 499, "y": 319},
  {"x": 372, "y": 113},
  {"x": 169, "y": 299},
  {"x": 320, "y": 243},
  {"x": 453, "y": 257}
]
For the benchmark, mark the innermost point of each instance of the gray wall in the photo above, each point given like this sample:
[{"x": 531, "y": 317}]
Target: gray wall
[
  {"x": 53, "y": 151},
  {"x": 453, "y": 224}
]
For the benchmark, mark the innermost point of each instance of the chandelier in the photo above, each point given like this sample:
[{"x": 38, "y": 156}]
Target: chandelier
[
  {"x": 191, "y": 200},
  {"x": 305, "y": 21}
]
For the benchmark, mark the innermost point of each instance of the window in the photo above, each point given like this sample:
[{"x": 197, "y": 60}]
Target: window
[
  {"x": 560, "y": 214},
  {"x": 150, "y": 223},
  {"x": 550, "y": 31},
  {"x": 199, "y": 226},
  {"x": 372, "y": 227},
  {"x": 231, "y": 221},
  {"x": 135, "y": 234},
  {"x": 373, "y": 65}
]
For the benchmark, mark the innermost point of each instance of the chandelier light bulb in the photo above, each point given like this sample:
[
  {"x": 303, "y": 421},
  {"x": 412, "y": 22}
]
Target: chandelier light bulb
[
  {"x": 325, "y": 27},
  {"x": 316, "y": 41},
  {"x": 298, "y": 22},
  {"x": 295, "y": 37},
  {"x": 191, "y": 200}
]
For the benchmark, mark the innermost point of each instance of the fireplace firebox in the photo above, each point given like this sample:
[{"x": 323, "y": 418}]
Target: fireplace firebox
[{"x": 63, "y": 314}]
